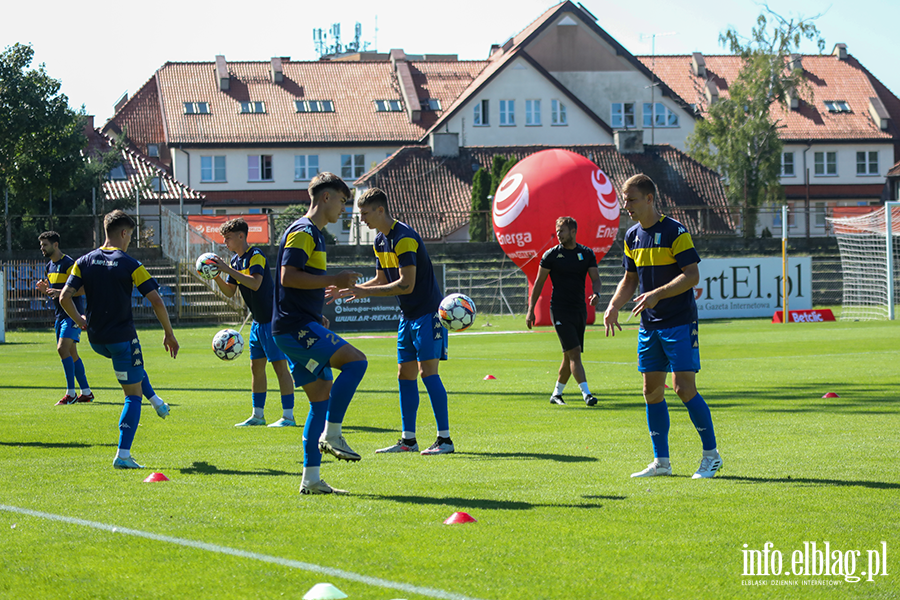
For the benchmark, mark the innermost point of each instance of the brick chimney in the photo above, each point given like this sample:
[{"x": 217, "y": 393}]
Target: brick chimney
[{"x": 222, "y": 75}]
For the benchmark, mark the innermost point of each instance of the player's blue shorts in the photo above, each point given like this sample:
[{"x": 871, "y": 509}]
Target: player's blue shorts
[
  {"x": 672, "y": 350},
  {"x": 421, "y": 339},
  {"x": 66, "y": 328},
  {"x": 309, "y": 351},
  {"x": 127, "y": 359},
  {"x": 262, "y": 344}
]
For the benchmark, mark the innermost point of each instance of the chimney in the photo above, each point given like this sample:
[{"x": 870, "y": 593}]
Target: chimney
[
  {"x": 629, "y": 141},
  {"x": 793, "y": 98},
  {"x": 407, "y": 87},
  {"x": 507, "y": 45},
  {"x": 698, "y": 64},
  {"x": 840, "y": 50},
  {"x": 222, "y": 73},
  {"x": 120, "y": 102},
  {"x": 796, "y": 62},
  {"x": 711, "y": 91},
  {"x": 276, "y": 70},
  {"x": 879, "y": 113},
  {"x": 495, "y": 48},
  {"x": 444, "y": 144},
  {"x": 88, "y": 125}
]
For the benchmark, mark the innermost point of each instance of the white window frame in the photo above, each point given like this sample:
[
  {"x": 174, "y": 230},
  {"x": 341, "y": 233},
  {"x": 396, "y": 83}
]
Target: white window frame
[
  {"x": 433, "y": 104},
  {"x": 507, "y": 113},
  {"x": 352, "y": 166},
  {"x": 837, "y": 106},
  {"x": 558, "y": 113},
  {"x": 621, "y": 115},
  {"x": 532, "y": 113},
  {"x": 388, "y": 106},
  {"x": 196, "y": 108},
  {"x": 785, "y": 163},
  {"x": 661, "y": 117},
  {"x": 481, "y": 114},
  {"x": 214, "y": 167},
  {"x": 257, "y": 167},
  {"x": 823, "y": 162},
  {"x": 869, "y": 163},
  {"x": 252, "y": 108},
  {"x": 306, "y": 166},
  {"x": 820, "y": 211},
  {"x": 314, "y": 106}
]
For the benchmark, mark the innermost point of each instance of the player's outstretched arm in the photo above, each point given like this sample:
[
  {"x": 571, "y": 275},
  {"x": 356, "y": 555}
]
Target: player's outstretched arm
[
  {"x": 293, "y": 277},
  {"x": 535, "y": 294},
  {"x": 162, "y": 315},
  {"x": 404, "y": 285},
  {"x": 65, "y": 300},
  {"x": 251, "y": 281},
  {"x": 624, "y": 291}
]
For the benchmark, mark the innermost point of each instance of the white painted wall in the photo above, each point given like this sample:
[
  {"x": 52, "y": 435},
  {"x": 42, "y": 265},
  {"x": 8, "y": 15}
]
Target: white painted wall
[{"x": 846, "y": 164}]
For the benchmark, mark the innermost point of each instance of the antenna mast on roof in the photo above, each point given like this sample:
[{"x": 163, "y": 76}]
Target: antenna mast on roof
[{"x": 653, "y": 82}]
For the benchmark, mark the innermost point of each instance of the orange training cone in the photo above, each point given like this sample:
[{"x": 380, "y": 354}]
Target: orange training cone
[
  {"x": 831, "y": 395},
  {"x": 156, "y": 477},
  {"x": 459, "y": 517},
  {"x": 487, "y": 377}
]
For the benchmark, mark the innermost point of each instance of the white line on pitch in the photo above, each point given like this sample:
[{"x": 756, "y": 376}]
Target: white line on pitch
[{"x": 285, "y": 562}]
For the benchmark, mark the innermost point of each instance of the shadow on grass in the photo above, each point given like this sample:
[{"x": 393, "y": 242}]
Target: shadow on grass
[
  {"x": 563, "y": 458},
  {"x": 878, "y": 485},
  {"x": 482, "y": 504},
  {"x": 204, "y": 468},
  {"x": 363, "y": 428},
  {"x": 51, "y": 445}
]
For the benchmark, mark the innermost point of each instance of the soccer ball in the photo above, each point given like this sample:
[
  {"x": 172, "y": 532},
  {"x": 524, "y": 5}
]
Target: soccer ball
[
  {"x": 457, "y": 312},
  {"x": 228, "y": 344},
  {"x": 206, "y": 268}
]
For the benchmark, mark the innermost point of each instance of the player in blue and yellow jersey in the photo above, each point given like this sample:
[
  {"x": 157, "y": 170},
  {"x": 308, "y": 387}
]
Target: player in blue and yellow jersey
[
  {"x": 568, "y": 265},
  {"x": 403, "y": 269},
  {"x": 107, "y": 276},
  {"x": 661, "y": 261},
  {"x": 249, "y": 272},
  {"x": 301, "y": 331},
  {"x": 68, "y": 334}
]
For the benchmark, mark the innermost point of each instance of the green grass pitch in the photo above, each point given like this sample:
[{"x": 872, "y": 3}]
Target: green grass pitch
[{"x": 557, "y": 514}]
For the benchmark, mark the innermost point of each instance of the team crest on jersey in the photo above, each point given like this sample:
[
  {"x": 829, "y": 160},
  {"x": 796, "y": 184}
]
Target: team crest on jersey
[
  {"x": 580, "y": 257},
  {"x": 657, "y": 238}
]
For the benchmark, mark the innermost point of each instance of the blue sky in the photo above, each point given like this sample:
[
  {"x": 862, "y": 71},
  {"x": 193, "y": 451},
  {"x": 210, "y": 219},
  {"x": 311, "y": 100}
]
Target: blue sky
[{"x": 100, "y": 49}]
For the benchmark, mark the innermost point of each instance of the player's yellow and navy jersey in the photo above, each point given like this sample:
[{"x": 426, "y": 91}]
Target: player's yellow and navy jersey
[
  {"x": 302, "y": 247},
  {"x": 402, "y": 247},
  {"x": 57, "y": 274},
  {"x": 657, "y": 255},
  {"x": 568, "y": 273},
  {"x": 254, "y": 262},
  {"x": 108, "y": 276}
]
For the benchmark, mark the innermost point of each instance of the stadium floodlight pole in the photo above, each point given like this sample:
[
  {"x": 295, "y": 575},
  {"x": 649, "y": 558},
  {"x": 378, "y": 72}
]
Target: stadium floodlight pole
[
  {"x": 784, "y": 261},
  {"x": 889, "y": 254}
]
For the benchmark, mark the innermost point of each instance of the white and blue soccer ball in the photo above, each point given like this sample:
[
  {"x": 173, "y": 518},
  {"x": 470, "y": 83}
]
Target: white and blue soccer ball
[
  {"x": 206, "y": 266},
  {"x": 228, "y": 344},
  {"x": 457, "y": 312}
]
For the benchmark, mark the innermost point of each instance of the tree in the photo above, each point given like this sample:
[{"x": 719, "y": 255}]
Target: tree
[
  {"x": 481, "y": 207},
  {"x": 290, "y": 214},
  {"x": 738, "y": 136}
]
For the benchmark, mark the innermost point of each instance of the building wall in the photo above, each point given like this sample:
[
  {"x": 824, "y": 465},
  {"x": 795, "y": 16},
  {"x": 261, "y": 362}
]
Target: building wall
[{"x": 846, "y": 163}]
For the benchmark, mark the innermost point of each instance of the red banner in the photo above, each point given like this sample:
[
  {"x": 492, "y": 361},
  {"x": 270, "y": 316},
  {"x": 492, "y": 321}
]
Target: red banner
[
  {"x": 209, "y": 225},
  {"x": 804, "y": 316}
]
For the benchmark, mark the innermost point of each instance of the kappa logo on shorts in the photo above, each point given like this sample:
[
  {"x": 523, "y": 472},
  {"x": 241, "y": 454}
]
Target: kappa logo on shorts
[
  {"x": 696, "y": 344},
  {"x": 311, "y": 342},
  {"x": 438, "y": 336},
  {"x": 138, "y": 363},
  {"x": 134, "y": 341},
  {"x": 302, "y": 334},
  {"x": 137, "y": 351}
]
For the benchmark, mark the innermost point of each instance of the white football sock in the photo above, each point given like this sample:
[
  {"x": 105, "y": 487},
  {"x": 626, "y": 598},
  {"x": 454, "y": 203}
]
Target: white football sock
[
  {"x": 70, "y": 392},
  {"x": 156, "y": 401},
  {"x": 288, "y": 414},
  {"x": 558, "y": 390},
  {"x": 86, "y": 391},
  {"x": 444, "y": 433},
  {"x": 332, "y": 429},
  {"x": 714, "y": 453},
  {"x": 122, "y": 453},
  {"x": 310, "y": 474},
  {"x": 585, "y": 391},
  {"x": 258, "y": 412},
  {"x": 408, "y": 435},
  {"x": 663, "y": 461}
]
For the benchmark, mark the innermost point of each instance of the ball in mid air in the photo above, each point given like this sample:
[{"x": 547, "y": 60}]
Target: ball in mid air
[
  {"x": 228, "y": 344},
  {"x": 457, "y": 312}
]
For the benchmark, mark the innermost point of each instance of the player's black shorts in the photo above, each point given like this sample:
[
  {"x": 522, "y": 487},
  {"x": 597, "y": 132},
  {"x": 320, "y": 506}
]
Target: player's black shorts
[{"x": 569, "y": 325}]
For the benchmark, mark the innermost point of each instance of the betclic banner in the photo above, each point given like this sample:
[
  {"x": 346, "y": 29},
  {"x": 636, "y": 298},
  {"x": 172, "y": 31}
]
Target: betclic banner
[{"x": 751, "y": 287}]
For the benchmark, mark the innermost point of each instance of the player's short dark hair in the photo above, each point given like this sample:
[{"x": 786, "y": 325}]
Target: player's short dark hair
[
  {"x": 374, "y": 197},
  {"x": 325, "y": 181},
  {"x": 641, "y": 183},
  {"x": 237, "y": 225},
  {"x": 115, "y": 221},
  {"x": 569, "y": 222},
  {"x": 50, "y": 236}
]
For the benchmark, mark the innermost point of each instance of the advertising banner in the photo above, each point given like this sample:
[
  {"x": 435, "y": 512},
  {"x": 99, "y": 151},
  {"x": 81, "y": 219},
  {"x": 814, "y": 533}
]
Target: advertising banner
[
  {"x": 366, "y": 314},
  {"x": 209, "y": 225},
  {"x": 751, "y": 287}
]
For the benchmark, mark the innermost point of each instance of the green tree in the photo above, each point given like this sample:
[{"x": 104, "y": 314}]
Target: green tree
[
  {"x": 290, "y": 214},
  {"x": 738, "y": 137},
  {"x": 496, "y": 173},
  {"x": 479, "y": 216}
]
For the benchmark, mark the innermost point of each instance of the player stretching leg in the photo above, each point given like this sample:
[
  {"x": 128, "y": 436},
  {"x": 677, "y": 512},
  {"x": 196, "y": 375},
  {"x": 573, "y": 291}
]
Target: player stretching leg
[
  {"x": 107, "y": 276},
  {"x": 68, "y": 334},
  {"x": 567, "y": 265},
  {"x": 301, "y": 332},
  {"x": 249, "y": 271},
  {"x": 403, "y": 269},
  {"x": 660, "y": 259}
]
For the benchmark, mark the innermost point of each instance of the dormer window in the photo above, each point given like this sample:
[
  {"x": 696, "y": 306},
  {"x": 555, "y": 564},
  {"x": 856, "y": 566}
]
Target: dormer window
[
  {"x": 314, "y": 106},
  {"x": 153, "y": 150},
  {"x": 430, "y": 104},
  {"x": 837, "y": 106},
  {"x": 388, "y": 106},
  {"x": 253, "y": 107},
  {"x": 196, "y": 108}
]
